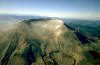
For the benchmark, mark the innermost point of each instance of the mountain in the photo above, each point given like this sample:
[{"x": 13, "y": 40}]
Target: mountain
[
  {"x": 46, "y": 41},
  {"x": 87, "y": 27}
]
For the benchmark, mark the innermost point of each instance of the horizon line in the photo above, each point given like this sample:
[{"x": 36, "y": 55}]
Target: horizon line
[{"x": 97, "y": 18}]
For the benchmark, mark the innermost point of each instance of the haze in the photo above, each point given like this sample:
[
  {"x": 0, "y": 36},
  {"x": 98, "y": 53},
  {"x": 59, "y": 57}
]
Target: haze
[{"x": 52, "y": 8}]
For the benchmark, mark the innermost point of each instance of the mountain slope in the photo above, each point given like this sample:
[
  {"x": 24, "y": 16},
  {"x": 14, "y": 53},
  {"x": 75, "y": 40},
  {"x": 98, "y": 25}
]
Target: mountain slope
[{"x": 44, "y": 42}]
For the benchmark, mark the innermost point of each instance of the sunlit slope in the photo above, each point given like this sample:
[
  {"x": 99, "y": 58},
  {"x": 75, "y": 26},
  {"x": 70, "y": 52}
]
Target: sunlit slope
[{"x": 43, "y": 42}]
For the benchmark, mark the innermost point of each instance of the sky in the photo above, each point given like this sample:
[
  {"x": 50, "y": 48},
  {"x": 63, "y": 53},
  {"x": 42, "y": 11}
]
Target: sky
[{"x": 52, "y": 8}]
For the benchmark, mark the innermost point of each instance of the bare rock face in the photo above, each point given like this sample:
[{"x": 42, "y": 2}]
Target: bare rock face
[{"x": 41, "y": 42}]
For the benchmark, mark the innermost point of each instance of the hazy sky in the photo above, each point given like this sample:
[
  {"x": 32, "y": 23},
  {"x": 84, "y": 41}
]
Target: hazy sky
[{"x": 55, "y": 8}]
